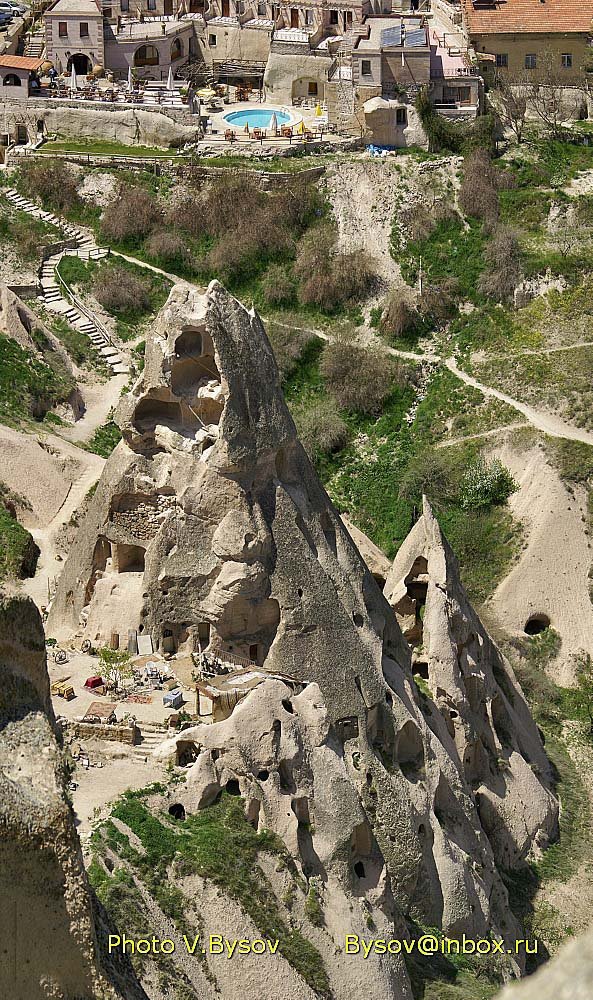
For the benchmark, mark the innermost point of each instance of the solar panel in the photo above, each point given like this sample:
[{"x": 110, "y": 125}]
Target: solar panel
[
  {"x": 391, "y": 36},
  {"x": 415, "y": 38}
]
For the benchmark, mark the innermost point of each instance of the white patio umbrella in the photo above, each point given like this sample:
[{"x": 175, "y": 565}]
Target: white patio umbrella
[
  {"x": 170, "y": 80},
  {"x": 274, "y": 124},
  {"x": 130, "y": 79},
  {"x": 73, "y": 80}
]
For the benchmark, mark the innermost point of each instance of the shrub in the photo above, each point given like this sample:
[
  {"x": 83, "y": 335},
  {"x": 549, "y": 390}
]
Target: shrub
[
  {"x": 320, "y": 427},
  {"x": 503, "y": 266},
  {"x": 277, "y": 285},
  {"x": 398, "y": 319},
  {"x": 328, "y": 279},
  {"x": 188, "y": 214},
  {"x": 53, "y": 182},
  {"x": 431, "y": 473},
  {"x": 167, "y": 246},
  {"x": 437, "y": 302},
  {"x": 478, "y": 194},
  {"x": 133, "y": 213},
  {"x": 358, "y": 378},
  {"x": 288, "y": 346},
  {"x": 486, "y": 485},
  {"x": 120, "y": 291}
]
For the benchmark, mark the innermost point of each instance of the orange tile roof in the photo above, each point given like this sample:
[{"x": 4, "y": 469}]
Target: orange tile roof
[
  {"x": 21, "y": 62},
  {"x": 505, "y": 16}
]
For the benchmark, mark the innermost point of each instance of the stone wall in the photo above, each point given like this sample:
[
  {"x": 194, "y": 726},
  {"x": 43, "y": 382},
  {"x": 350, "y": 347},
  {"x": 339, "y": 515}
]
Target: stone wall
[
  {"x": 119, "y": 734},
  {"x": 73, "y": 120}
]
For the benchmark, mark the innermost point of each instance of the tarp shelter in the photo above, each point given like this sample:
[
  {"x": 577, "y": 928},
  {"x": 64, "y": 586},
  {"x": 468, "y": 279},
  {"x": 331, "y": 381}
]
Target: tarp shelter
[
  {"x": 93, "y": 682},
  {"x": 103, "y": 710},
  {"x": 217, "y": 696},
  {"x": 173, "y": 699}
]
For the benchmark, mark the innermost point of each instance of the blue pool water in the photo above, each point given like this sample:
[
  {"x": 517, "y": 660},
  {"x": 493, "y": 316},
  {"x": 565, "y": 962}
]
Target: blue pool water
[{"x": 256, "y": 118}]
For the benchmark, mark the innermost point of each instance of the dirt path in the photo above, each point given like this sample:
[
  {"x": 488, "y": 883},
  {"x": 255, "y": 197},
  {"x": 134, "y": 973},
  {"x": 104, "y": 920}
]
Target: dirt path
[
  {"x": 545, "y": 422},
  {"x": 48, "y": 566},
  {"x": 150, "y": 267},
  {"x": 100, "y": 398},
  {"x": 483, "y": 434}
]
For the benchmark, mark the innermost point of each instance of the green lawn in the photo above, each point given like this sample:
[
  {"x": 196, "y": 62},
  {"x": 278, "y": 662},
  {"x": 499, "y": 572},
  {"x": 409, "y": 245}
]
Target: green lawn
[{"x": 103, "y": 148}]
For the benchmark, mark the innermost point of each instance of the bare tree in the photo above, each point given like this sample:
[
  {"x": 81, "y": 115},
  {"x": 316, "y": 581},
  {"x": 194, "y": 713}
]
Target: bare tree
[
  {"x": 551, "y": 96},
  {"x": 511, "y": 97}
]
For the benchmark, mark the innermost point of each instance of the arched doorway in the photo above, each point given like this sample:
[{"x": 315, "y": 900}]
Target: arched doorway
[
  {"x": 146, "y": 55},
  {"x": 176, "y": 50},
  {"x": 12, "y": 80},
  {"x": 82, "y": 64}
]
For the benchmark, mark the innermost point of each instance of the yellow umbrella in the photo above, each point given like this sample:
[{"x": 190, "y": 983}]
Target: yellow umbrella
[
  {"x": 301, "y": 127},
  {"x": 206, "y": 93},
  {"x": 318, "y": 111}
]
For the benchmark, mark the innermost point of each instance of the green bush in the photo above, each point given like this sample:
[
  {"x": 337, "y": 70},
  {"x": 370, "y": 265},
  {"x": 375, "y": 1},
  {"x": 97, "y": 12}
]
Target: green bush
[
  {"x": 486, "y": 484},
  {"x": 52, "y": 182},
  {"x": 320, "y": 427}
]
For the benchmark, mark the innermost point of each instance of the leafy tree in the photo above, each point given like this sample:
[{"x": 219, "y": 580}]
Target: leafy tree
[{"x": 116, "y": 665}]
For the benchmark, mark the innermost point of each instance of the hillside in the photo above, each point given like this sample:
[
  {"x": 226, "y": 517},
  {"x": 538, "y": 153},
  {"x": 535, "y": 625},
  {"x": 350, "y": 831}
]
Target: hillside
[{"x": 429, "y": 316}]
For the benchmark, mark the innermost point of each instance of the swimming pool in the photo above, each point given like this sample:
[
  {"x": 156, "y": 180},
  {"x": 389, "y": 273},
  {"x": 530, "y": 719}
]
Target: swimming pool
[{"x": 256, "y": 117}]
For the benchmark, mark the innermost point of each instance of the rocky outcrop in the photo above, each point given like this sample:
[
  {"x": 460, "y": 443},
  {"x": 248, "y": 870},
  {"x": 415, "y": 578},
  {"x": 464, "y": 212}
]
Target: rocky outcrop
[
  {"x": 47, "y": 925},
  {"x": 209, "y": 528},
  {"x": 569, "y": 976},
  {"x": 476, "y": 692},
  {"x": 279, "y": 753}
]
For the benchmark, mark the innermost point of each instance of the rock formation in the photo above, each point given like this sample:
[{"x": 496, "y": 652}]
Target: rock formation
[
  {"x": 47, "y": 925},
  {"x": 209, "y": 528},
  {"x": 569, "y": 976},
  {"x": 476, "y": 692}
]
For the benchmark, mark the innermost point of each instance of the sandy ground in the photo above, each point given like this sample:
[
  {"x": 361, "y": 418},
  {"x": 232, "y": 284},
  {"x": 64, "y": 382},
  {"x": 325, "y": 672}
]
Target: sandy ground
[
  {"x": 80, "y": 666},
  {"x": 99, "y": 398},
  {"x": 552, "y": 573},
  {"x": 364, "y": 196},
  {"x": 123, "y": 768}
]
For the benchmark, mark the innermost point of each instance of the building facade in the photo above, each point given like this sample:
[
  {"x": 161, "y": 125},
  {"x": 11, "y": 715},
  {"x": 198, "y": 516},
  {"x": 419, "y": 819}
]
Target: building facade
[{"x": 520, "y": 37}]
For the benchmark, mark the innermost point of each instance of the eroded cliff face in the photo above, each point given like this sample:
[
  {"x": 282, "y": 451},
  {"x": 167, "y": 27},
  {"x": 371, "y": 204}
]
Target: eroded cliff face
[
  {"x": 209, "y": 528},
  {"x": 47, "y": 927},
  {"x": 475, "y": 690}
]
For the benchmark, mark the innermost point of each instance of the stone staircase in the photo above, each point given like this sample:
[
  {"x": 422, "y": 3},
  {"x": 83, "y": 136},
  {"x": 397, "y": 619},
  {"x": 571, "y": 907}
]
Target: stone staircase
[
  {"x": 53, "y": 293},
  {"x": 34, "y": 47},
  {"x": 152, "y": 736}
]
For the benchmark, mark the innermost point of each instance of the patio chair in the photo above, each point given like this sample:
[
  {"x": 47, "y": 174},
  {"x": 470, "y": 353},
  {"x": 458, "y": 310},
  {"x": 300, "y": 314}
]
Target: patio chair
[
  {"x": 229, "y": 135},
  {"x": 286, "y": 131}
]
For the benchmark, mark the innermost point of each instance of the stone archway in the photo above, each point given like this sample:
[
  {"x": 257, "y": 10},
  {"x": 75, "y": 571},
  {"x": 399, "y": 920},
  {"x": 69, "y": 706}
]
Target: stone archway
[{"x": 82, "y": 64}]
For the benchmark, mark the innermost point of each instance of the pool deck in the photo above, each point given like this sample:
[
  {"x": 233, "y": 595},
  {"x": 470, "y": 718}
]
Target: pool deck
[{"x": 220, "y": 124}]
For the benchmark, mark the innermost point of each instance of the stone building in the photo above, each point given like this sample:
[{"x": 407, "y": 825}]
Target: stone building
[
  {"x": 74, "y": 35},
  {"x": 522, "y": 36}
]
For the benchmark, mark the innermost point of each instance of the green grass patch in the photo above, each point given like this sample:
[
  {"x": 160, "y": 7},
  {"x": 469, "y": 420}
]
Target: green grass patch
[
  {"x": 453, "y": 250},
  {"x": 30, "y": 385},
  {"x": 15, "y": 547},
  {"x": 105, "y": 148},
  {"x": 104, "y": 439}
]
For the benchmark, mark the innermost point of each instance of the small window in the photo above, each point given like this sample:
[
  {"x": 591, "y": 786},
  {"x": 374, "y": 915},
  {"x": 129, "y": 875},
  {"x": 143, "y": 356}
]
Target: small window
[
  {"x": 365, "y": 67},
  {"x": 84, "y": 29},
  {"x": 63, "y": 29},
  {"x": 312, "y": 88},
  {"x": 502, "y": 60},
  {"x": 308, "y": 17},
  {"x": 401, "y": 116},
  {"x": 333, "y": 17},
  {"x": 12, "y": 80},
  {"x": 212, "y": 41},
  {"x": 531, "y": 60},
  {"x": 566, "y": 58},
  {"x": 125, "y": 6},
  {"x": 151, "y": 5},
  {"x": 262, "y": 9},
  {"x": 240, "y": 7}
]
